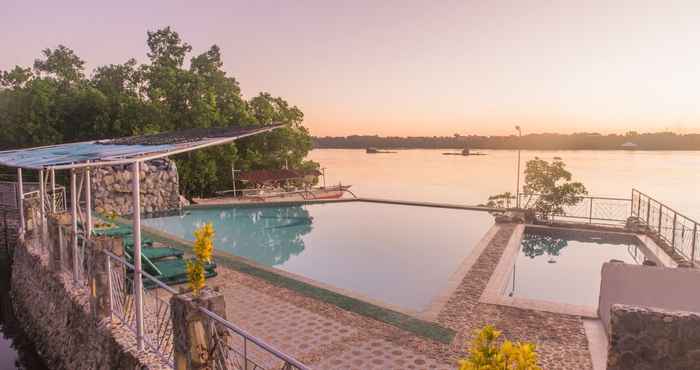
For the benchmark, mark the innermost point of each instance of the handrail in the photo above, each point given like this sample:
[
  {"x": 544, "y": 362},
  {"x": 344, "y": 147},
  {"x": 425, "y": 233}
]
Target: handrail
[{"x": 254, "y": 339}]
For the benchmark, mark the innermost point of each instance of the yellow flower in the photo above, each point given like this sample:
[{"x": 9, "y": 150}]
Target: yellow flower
[{"x": 203, "y": 250}]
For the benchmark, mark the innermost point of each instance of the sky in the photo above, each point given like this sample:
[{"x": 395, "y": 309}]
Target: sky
[{"x": 412, "y": 67}]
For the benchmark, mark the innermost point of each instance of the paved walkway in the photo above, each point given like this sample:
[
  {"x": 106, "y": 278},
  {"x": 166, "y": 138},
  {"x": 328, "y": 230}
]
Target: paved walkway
[{"x": 327, "y": 337}]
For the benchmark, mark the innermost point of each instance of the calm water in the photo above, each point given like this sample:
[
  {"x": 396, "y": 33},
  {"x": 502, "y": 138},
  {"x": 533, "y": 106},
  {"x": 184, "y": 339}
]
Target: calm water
[
  {"x": 16, "y": 350},
  {"x": 565, "y": 267},
  {"x": 427, "y": 175},
  {"x": 401, "y": 255}
]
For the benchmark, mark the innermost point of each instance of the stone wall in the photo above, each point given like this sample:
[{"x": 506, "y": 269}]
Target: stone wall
[
  {"x": 648, "y": 338},
  {"x": 111, "y": 188},
  {"x": 55, "y": 313}
]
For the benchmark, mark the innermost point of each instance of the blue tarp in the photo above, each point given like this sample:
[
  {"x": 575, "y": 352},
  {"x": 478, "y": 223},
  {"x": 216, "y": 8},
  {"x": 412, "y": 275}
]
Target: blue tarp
[{"x": 76, "y": 153}]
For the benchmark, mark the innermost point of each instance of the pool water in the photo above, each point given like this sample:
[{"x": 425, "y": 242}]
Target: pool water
[
  {"x": 396, "y": 254},
  {"x": 564, "y": 266}
]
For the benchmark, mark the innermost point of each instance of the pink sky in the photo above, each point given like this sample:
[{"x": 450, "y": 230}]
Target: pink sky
[{"x": 413, "y": 67}]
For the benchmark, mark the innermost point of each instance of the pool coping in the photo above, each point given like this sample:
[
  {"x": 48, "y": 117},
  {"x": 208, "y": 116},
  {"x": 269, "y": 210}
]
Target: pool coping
[{"x": 493, "y": 293}]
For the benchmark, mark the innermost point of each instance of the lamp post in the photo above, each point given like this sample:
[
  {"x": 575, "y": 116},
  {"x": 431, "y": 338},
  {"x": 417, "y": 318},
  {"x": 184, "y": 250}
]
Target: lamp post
[{"x": 517, "y": 183}]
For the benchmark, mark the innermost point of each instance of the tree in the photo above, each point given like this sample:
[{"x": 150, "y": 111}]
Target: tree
[
  {"x": 56, "y": 103},
  {"x": 548, "y": 187}
]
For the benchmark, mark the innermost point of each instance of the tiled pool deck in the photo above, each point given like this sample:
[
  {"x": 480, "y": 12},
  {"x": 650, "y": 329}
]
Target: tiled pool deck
[{"x": 325, "y": 336}]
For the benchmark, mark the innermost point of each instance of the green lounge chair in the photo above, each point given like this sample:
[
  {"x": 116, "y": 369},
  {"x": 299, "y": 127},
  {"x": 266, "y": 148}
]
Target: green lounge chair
[
  {"x": 156, "y": 253},
  {"x": 169, "y": 271}
]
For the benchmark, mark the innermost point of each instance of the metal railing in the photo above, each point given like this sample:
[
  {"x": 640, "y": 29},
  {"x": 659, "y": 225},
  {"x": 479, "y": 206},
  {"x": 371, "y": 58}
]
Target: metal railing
[
  {"x": 157, "y": 322},
  {"x": 680, "y": 232},
  {"x": 234, "y": 348},
  {"x": 54, "y": 201},
  {"x": 589, "y": 209}
]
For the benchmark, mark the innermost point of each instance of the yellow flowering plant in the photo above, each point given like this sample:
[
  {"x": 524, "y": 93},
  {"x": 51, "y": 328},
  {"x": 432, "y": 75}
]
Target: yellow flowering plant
[
  {"x": 486, "y": 354},
  {"x": 203, "y": 250}
]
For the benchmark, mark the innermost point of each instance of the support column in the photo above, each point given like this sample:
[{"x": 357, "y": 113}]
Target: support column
[
  {"x": 138, "y": 279},
  {"x": 88, "y": 203},
  {"x": 74, "y": 219},
  {"x": 20, "y": 199},
  {"x": 193, "y": 331},
  {"x": 42, "y": 207},
  {"x": 99, "y": 284},
  {"x": 53, "y": 190}
]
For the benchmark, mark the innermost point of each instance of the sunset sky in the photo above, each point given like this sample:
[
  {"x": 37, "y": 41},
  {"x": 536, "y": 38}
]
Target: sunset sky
[{"x": 413, "y": 67}]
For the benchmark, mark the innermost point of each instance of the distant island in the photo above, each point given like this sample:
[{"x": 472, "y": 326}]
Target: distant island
[{"x": 546, "y": 141}]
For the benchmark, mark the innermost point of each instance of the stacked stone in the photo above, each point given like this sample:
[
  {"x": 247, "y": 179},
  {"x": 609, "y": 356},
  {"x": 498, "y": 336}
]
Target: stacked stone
[{"x": 111, "y": 188}]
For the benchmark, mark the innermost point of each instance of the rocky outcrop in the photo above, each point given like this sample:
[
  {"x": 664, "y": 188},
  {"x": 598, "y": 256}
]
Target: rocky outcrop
[
  {"x": 648, "y": 338},
  {"x": 111, "y": 188}
]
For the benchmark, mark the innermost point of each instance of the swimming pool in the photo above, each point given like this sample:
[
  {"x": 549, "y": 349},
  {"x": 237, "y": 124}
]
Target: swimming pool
[
  {"x": 564, "y": 266},
  {"x": 396, "y": 254}
]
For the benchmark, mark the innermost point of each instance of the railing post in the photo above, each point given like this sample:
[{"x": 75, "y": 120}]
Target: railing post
[
  {"x": 193, "y": 338},
  {"x": 649, "y": 212},
  {"x": 639, "y": 205},
  {"x": 110, "y": 287},
  {"x": 590, "y": 212},
  {"x": 692, "y": 248},
  {"x": 661, "y": 214},
  {"x": 673, "y": 235},
  {"x": 632, "y": 203}
]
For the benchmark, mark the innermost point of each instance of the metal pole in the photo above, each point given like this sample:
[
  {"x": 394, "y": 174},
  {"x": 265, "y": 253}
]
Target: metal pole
[
  {"x": 517, "y": 182},
  {"x": 692, "y": 249},
  {"x": 649, "y": 213},
  {"x": 109, "y": 286},
  {"x": 324, "y": 176},
  {"x": 74, "y": 217},
  {"x": 590, "y": 212},
  {"x": 673, "y": 235},
  {"x": 20, "y": 198},
  {"x": 233, "y": 178},
  {"x": 632, "y": 204},
  {"x": 138, "y": 288},
  {"x": 53, "y": 190},
  {"x": 88, "y": 203},
  {"x": 42, "y": 205}
]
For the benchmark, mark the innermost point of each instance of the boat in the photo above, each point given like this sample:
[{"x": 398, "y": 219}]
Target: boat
[
  {"x": 280, "y": 185},
  {"x": 465, "y": 152},
  {"x": 372, "y": 150}
]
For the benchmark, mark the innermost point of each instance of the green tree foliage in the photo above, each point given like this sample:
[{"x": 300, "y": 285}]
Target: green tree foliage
[
  {"x": 547, "y": 189},
  {"x": 54, "y": 102}
]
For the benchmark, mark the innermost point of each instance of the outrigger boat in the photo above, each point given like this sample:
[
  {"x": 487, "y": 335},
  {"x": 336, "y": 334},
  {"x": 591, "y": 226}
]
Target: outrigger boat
[{"x": 280, "y": 185}]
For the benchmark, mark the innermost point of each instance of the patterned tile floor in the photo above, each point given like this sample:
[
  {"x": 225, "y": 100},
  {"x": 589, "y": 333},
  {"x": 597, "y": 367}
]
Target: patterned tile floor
[{"x": 329, "y": 338}]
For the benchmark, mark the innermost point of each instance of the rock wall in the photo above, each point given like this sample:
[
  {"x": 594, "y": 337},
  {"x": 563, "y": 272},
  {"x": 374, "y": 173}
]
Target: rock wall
[
  {"x": 111, "y": 188},
  {"x": 649, "y": 338},
  {"x": 56, "y": 315}
]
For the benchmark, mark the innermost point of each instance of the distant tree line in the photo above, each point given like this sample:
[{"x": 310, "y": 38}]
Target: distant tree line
[
  {"x": 546, "y": 141},
  {"x": 54, "y": 102}
]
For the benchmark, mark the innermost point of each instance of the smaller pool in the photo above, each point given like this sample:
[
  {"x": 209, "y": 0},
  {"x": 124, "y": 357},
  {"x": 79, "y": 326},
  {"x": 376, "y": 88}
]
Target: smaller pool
[{"x": 564, "y": 265}]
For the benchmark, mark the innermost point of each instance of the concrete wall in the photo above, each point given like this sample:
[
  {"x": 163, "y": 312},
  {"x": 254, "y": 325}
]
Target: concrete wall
[
  {"x": 111, "y": 188},
  {"x": 653, "y": 339},
  {"x": 648, "y": 286},
  {"x": 55, "y": 314}
]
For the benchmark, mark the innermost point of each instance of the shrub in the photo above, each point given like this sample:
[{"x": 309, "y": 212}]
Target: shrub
[
  {"x": 203, "y": 250},
  {"x": 486, "y": 354}
]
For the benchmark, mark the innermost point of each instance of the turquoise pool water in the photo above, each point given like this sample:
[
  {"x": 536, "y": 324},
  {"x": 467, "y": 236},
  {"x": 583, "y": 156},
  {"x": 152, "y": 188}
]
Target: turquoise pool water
[
  {"x": 400, "y": 255},
  {"x": 564, "y": 266}
]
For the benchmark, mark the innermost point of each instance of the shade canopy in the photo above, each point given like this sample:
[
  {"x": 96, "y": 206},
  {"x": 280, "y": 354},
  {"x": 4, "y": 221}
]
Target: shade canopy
[{"x": 125, "y": 150}]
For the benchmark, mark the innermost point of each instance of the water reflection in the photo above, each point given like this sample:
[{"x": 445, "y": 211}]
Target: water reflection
[{"x": 268, "y": 235}]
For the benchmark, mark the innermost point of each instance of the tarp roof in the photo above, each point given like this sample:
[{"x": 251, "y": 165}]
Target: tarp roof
[{"x": 125, "y": 150}]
